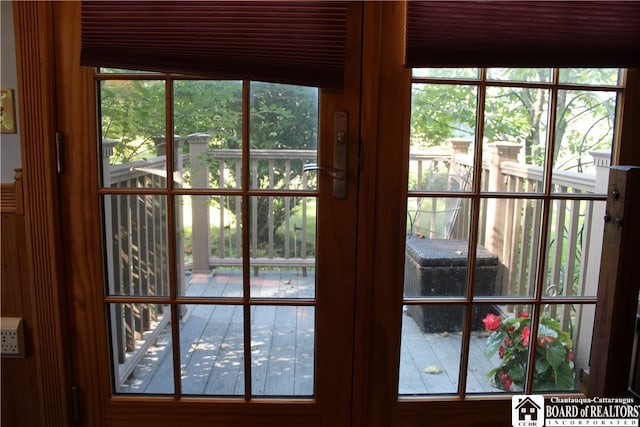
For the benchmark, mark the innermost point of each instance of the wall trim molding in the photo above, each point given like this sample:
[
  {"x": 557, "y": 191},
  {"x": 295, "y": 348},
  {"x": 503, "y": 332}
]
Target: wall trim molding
[
  {"x": 11, "y": 195},
  {"x": 35, "y": 59}
]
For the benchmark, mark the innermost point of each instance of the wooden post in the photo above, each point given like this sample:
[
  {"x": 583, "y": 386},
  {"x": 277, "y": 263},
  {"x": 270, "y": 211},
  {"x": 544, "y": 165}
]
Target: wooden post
[
  {"x": 111, "y": 241},
  {"x": 459, "y": 148},
  {"x": 614, "y": 327},
  {"x": 178, "y": 173},
  {"x": 496, "y": 208},
  {"x": 201, "y": 242},
  {"x": 160, "y": 142},
  {"x": 496, "y": 214},
  {"x": 591, "y": 256},
  {"x": 458, "y": 181}
]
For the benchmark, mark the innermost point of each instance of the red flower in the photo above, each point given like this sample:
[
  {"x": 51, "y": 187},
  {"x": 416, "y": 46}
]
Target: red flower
[
  {"x": 524, "y": 314},
  {"x": 501, "y": 352},
  {"x": 491, "y": 322},
  {"x": 543, "y": 341},
  {"x": 525, "y": 336},
  {"x": 506, "y": 380},
  {"x": 570, "y": 356}
]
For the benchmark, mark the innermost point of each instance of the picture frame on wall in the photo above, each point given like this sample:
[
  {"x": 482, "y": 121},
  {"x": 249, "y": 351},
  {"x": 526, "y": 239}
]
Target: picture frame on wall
[{"x": 7, "y": 111}]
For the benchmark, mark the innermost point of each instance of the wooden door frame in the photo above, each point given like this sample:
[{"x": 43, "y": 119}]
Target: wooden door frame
[
  {"x": 385, "y": 133},
  {"x": 33, "y": 23},
  {"x": 79, "y": 125},
  {"x": 54, "y": 327}
]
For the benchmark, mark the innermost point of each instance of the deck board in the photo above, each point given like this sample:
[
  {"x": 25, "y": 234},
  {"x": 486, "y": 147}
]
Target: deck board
[
  {"x": 304, "y": 355},
  {"x": 282, "y": 346},
  {"x": 281, "y": 357},
  {"x": 229, "y": 360},
  {"x": 263, "y": 323}
]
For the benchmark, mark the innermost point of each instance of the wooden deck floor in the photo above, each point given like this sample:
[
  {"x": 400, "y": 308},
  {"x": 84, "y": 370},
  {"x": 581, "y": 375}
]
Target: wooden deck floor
[
  {"x": 439, "y": 354},
  {"x": 282, "y": 346}
]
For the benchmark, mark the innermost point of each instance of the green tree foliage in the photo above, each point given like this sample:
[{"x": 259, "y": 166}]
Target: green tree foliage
[
  {"x": 132, "y": 113},
  {"x": 213, "y": 107},
  {"x": 282, "y": 117},
  {"x": 439, "y": 112},
  {"x": 584, "y": 118}
]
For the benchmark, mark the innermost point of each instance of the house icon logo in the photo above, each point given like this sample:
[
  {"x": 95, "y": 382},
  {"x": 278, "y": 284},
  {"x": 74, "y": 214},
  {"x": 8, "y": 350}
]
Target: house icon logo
[{"x": 527, "y": 411}]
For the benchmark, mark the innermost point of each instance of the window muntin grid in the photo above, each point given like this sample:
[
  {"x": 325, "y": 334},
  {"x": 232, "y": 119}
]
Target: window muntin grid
[
  {"x": 533, "y": 203},
  {"x": 144, "y": 212}
]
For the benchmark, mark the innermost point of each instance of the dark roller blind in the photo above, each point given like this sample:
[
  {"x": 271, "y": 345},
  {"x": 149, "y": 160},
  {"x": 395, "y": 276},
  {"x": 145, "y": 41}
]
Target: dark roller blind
[
  {"x": 523, "y": 33},
  {"x": 297, "y": 42}
]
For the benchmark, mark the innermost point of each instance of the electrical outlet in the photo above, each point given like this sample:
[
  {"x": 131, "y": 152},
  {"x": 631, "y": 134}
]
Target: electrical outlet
[{"x": 12, "y": 337}]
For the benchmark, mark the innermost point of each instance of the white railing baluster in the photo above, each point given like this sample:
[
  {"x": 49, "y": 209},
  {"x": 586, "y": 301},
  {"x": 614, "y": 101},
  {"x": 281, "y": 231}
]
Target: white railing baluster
[
  {"x": 221, "y": 203},
  {"x": 270, "y": 220},
  {"x": 254, "y": 212},
  {"x": 138, "y": 227},
  {"x": 287, "y": 210},
  {"x": 573, "y": 241},
  {"x": 555, "y": 285},
  {"x": 303, "y": 225}
]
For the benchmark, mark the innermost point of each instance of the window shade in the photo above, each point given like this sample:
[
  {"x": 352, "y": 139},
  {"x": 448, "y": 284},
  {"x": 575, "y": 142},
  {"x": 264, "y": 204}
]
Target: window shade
[
  {"x": 523, "y": 33},
  {"x": 296, "y": 42}
]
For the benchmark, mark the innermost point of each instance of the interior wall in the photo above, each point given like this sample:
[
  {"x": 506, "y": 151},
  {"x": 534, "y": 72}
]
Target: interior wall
[
  {"x": 19, "y": 384},
  {"x": 10, "y": 158}
]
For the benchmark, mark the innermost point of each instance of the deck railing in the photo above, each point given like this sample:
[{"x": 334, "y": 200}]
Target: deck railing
[
  {"x": 510, "y": 227},
  {"x": 284, "y": 242},
  {"x": 136, "y": 245},
  {"x": 137, "y": 227}
]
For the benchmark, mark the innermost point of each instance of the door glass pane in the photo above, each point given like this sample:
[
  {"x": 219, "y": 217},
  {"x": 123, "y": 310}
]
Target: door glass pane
[
  {"x": 141, "y": 348},
  {"x": 284, "y": 135},
  {"x": 283, "y": 235},
  {"x": 136, "y": 244},
  {"x": 431, "y": 349},
  {"x": 592, "y": 76},
  {"x": 282, "y": 282},
  {"x": 498, "y": 351},
  {"x": 282, "y": 350},
  {"x": 510, "y": 230},
  {"x": 563, "y": 346},
  {"x": 209, "y": 245},
  {"x": 514, "y": 145},
  {"x": 455, "y": 73},
  {"x": 443, "y": 123},
  {"x": 508, "y": 277},
  {"x": 574, "y": 248},
  {"x": 585, "y": 126},
  {"x": 438, "y": 218},
  {"x": 132, "y": 132},
  {"x": 207, "y": 133},
  {"x": 436, "y": 268},
  {"x": 211, "y": 350},
  {"x": 200, "y": 228},
  {"x": 520, "y": 74}
]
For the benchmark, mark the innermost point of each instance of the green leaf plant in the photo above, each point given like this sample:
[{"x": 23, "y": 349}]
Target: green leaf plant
[{"x": 510, "y": 338}]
